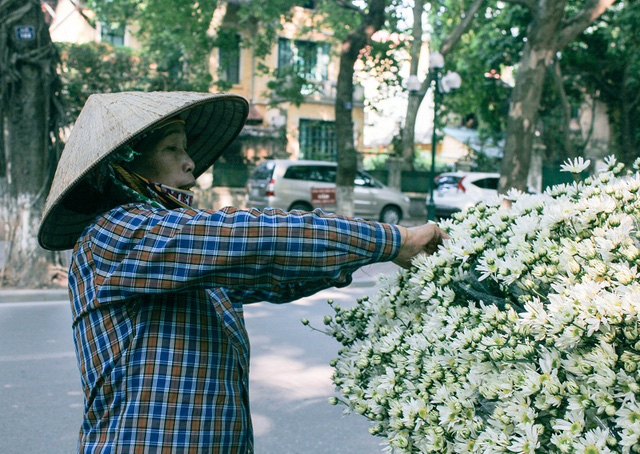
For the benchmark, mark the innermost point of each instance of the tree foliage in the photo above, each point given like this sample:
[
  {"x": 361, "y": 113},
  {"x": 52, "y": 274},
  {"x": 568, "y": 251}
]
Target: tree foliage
[
  {"x": 605, "y": 65},
  {"x": 601, "y": 64},
  {"x": 492, "y": 45},
  {"x": 532, "y": 37},
  {"x": 174, "y": 36},
  {"x": 99, "y": 67}
]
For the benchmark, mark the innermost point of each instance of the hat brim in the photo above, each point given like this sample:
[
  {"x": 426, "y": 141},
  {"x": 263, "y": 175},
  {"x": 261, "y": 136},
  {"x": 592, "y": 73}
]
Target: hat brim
[{"x": 108, "y": 121}]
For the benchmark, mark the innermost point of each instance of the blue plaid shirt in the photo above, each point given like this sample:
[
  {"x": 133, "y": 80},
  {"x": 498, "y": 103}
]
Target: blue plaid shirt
[{"x": 158, "y": 324}]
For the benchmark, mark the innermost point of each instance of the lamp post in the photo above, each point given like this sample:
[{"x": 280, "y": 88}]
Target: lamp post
[{"x": 445, "y": 84}]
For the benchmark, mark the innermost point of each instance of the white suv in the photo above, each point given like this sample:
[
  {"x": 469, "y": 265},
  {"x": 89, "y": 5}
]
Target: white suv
[
  {"x": 456, "y": 191},
  {"x": 305, "y": 185}
]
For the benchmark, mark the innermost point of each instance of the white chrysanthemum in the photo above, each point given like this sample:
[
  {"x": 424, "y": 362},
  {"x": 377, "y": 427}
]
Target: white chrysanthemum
[
  {"x": 578, "y": 165},
  {"x": 522, "y": 331}
]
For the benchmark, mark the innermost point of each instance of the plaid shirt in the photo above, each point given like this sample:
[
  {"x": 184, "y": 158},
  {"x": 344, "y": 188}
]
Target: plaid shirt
[{"x": 157, "y": 306}]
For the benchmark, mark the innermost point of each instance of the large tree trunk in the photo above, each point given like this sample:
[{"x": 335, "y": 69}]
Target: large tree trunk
[
  {"x": 347, "y": 154},
  {"x": 548, "y": 33},
  {"x": 523, "y": 113},
  {"x": 28, "y": 82}
]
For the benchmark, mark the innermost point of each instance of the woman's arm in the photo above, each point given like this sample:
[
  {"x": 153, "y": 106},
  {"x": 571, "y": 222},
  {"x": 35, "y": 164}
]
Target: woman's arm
[{"x": 137, "y": 250}]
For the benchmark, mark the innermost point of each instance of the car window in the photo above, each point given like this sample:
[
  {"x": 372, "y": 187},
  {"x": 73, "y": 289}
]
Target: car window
[
  {"x": 264, "y": 171},
  {"x": 328, "y": 174},
  {"x": 325, "y": 174},
  {"x": 297, "y": 173},
  {"x": 362, "y": 179},
  {"x": 443, "y": 181},
  {"x": 487, "y": 183}
]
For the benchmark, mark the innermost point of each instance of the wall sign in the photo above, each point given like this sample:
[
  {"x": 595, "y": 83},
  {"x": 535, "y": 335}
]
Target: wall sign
[{"x": 25, "y": 32}]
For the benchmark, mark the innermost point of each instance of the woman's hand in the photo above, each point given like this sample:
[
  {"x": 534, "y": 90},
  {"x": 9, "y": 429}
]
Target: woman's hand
[{"x": 423, "y": 238}]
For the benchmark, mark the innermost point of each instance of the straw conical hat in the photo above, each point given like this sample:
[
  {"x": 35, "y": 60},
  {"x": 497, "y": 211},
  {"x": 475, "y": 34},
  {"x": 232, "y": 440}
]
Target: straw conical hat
[{"x": 108, "y": 121}]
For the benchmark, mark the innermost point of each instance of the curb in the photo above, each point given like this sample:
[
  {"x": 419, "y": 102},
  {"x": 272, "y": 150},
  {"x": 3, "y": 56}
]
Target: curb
[{"x": 21, "y": 296}]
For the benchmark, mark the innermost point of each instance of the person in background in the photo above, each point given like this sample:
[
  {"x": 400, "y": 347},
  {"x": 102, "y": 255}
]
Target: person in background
[{"x": 157, "y": 287}]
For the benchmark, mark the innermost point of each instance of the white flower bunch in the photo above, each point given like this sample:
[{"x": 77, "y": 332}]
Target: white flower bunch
[{"x": 521, "y": 334}]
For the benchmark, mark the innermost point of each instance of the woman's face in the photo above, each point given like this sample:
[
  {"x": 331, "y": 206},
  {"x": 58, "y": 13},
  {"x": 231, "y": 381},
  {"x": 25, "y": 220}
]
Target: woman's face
[{"x": 167, "y": 161}]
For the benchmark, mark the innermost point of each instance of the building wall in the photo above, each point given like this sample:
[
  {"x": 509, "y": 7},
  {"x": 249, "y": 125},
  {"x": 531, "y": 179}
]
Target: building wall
[
  {"x": 253, "y": 86},
  {"x": 71, "y": 24}
]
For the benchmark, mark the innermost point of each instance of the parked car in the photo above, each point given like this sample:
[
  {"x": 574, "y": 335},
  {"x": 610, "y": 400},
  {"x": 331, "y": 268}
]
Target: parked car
[
  {"x": 456, "y": 191},
  {"x": 305, "y": 185}
]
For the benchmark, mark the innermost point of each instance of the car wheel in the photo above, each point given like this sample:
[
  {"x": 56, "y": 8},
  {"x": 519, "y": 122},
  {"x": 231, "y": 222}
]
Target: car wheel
[
  {"x": 391, "y": 215},
  {"x": 300, "y": 206}
]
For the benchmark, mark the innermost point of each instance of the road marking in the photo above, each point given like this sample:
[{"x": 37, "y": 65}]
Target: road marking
[
  {"x": 4, "y": 304},
  {"x": 41, "y": 356}
]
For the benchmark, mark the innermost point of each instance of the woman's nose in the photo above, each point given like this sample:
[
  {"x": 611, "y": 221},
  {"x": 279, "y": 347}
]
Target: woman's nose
[{"x": 187, "y": 164}]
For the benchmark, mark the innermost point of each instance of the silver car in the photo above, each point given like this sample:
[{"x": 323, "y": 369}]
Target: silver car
[{"x": 305, "y": 185}]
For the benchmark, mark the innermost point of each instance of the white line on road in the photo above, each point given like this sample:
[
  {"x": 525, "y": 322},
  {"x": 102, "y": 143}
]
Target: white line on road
[{"x": 41, "y": 356}]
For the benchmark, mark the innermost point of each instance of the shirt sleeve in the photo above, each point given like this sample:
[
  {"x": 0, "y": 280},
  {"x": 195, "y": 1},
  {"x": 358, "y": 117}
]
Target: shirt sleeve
[{"x": 276, "y": 255}]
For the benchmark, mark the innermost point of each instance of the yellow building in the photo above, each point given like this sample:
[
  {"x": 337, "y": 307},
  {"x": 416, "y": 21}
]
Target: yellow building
[
  {"x": 72, "y": 21},
  {"x": 286, "y": 130}
]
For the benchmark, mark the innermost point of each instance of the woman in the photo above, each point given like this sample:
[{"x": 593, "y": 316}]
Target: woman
[{"x": 157, "y": 287}]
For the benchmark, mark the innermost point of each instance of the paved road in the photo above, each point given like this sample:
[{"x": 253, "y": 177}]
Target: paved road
[{"x": 41, "y": 404}]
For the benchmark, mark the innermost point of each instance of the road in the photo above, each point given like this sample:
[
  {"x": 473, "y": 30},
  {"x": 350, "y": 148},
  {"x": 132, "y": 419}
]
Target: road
[{"x": 41, "y": 402}]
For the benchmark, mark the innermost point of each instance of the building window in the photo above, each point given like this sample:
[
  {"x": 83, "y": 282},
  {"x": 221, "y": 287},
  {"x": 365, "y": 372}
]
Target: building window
[
  {"x": 308, "y": 59},
  {"x": 318, "y": 140},
  {"x": 308, "y": 4},
  {"x": 112, "y": 33},
  {"x": 229, "y": 55}
]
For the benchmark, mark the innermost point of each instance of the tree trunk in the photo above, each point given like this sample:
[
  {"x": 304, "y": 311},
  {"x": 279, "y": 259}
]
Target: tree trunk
[
  {"x": 28, "y": 81},
  {"x": 548, "y": 33},
  {"x": 413, "y": 103},
  {"x": 627, "y": 104},
  {"x": 415, "y": 99},
  {"x": 523, "y": 114},
  {"x": 349, "y": 53}
]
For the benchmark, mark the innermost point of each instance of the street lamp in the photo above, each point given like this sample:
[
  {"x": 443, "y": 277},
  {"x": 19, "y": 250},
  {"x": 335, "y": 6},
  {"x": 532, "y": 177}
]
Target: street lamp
[{"x": 444, "y": 84}]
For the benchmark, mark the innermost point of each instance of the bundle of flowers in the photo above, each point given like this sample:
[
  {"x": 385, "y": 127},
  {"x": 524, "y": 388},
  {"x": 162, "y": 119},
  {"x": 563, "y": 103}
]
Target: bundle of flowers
[{"x": 520, "y": 334}]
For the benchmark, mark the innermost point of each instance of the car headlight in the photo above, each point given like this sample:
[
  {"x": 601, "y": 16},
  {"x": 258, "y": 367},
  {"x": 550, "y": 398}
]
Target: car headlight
[{"x": 406, "y": 199}]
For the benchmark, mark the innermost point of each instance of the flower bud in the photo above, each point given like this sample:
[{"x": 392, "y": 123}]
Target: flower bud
[
  {"x": 571, "y": 387},
  {"x": 630, "y": 332},
  {"x": 574, "y": 267}
]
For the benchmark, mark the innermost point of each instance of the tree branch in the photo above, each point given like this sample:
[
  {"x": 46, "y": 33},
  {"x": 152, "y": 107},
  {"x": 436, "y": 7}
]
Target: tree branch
[
  {"x": 578, "y": 23},
  {"x": 450, "y": 41},
  {"x": 565, "y": 106},
  {"x": 461, "y": 28}
]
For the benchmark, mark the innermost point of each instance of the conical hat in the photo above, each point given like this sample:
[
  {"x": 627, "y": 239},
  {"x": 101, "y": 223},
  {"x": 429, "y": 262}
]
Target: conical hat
[{"x": 108, "y": 121}]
